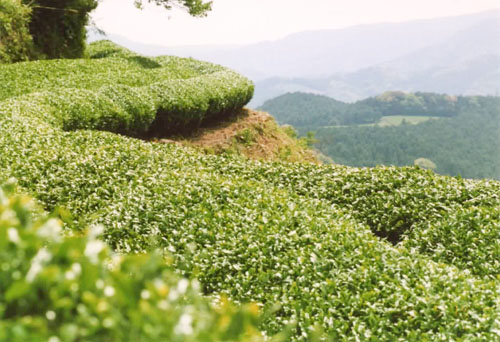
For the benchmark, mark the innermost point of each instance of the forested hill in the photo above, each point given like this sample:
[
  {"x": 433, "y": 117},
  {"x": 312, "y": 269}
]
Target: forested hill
[
  {"x": 301, "y": 109},
  {"x": 459, "y": 134}
]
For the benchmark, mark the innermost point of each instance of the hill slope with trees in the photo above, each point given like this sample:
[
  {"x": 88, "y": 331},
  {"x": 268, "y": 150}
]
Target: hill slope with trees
[{"x": 460, "y": 134}]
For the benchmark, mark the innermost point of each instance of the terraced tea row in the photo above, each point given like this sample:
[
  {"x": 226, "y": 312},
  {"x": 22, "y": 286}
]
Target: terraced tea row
[{"x": 125, "y": 93}]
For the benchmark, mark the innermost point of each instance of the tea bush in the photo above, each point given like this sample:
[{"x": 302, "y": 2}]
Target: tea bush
[
  {"x": 305, "y": 242},
  {"x": 127, "y": 93},
  {"x": 251, "y": 231},
  {"x": 72, "y": 288}
]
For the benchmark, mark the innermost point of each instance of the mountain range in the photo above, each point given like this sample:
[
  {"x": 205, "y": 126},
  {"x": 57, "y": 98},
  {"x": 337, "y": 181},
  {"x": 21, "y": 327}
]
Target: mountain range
[{"x": 455, "y": 55}]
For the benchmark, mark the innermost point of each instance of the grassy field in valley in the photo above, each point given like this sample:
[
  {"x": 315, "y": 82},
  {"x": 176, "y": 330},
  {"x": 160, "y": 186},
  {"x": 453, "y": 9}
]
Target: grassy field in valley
[{"x": 396, "y": 120}]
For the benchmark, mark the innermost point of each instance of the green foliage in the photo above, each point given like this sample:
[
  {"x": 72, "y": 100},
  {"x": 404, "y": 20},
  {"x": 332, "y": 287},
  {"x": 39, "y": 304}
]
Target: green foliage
[
  {"x": 197, "y": 8},
  {"x": 400, "y": 103},
  {"x": 126, "y": 93},
  {"x": 309, "y": 139},
  {"x": 63, "y": 36},
  {"x": 15, "y": 39},
  {"x": 463, "y": 238},
  {"x": 467, "y": 144},
  {"x": 299, "y": 109},
  {"x": 122, "y": 68},
  {"x": 106, "y": 48},
  {"x": 309, "y": 110},
  {"x": 246, "y": 136},
  {"x": 72, "y": 288},
  {"x": 461, "y": 139},
  {"x": 307, "y": 243},
  {"x": 290, "y": 131}
]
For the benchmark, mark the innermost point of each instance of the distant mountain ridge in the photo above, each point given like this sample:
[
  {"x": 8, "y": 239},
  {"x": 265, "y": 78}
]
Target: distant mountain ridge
[
  {"x": 456, "y": 55},
  {"x": 309, "y": 111},
  {"x": 465, "y": 63}
]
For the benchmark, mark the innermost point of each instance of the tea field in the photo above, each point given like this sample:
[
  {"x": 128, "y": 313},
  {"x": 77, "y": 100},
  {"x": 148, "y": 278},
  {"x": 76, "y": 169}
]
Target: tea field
[{"x": 303, "y": 252}]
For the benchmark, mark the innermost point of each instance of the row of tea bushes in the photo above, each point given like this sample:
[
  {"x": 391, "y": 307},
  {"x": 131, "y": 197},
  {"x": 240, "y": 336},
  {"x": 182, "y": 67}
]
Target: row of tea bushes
[
  {"x": 55, "y": 287},
  {"x": 391, "y": 200},
  {"x": 122, "y": 68},
  {"x": 296, "y": 239},
  {"x": 156, "y": 109},
  {"x": 243, "y": 230},
  {"x": 127, "y": 93},
  {"x": 452, "y": 220}
]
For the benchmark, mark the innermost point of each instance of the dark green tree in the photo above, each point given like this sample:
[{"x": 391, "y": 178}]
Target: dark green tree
[{"x": 58, "y": 26}]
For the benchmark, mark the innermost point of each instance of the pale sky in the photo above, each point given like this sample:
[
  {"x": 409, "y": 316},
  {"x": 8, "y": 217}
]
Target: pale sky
[{"x": 250, "y": 21}]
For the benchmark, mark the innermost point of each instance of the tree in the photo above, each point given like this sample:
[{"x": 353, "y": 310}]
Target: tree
[
  {"x": 425, "y": 163},
  {"x": 196, "y": 8},
  {"x": 58, "y": 26}
]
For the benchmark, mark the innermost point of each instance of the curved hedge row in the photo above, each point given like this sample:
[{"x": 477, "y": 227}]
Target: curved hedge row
[
  {"x": 127, "y": 93},
  {"x": 451, "y": 220}
]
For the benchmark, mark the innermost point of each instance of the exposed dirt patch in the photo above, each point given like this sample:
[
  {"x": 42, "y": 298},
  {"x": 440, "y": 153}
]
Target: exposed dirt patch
[{"x": 249, "y": 132}]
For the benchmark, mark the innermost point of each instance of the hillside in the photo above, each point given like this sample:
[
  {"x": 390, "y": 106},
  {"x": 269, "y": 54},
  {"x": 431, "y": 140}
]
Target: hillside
[
  {"x": 459, "y": 134},
  {"x": 304, "y": 251}
]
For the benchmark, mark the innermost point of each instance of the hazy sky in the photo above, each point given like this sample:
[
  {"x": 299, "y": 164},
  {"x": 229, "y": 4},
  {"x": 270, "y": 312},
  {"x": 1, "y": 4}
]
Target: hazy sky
[{"x": 248, "y": 21}]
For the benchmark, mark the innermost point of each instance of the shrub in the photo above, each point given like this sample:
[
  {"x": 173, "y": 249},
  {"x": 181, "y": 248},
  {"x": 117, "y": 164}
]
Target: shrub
[
  {"x": 124, "y": 94},
  {"x": 15, "y": 39},
  {"x": 425, "y": 163},
  {"x": 58, "y": 287}
]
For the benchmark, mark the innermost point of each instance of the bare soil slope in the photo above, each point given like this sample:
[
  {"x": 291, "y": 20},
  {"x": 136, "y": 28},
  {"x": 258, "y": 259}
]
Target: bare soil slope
[{"x": 251, "y": 133}]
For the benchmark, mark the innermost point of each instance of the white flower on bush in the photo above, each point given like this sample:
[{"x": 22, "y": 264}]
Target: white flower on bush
[
  {"x": 95, "y": 231},
  {"x": 182, "y": 286},
  {"x": 145, "y": 294},
  {"x": 40, "y": 258},
  {"x": 109, "y": 291},
  {"x": 93, "y": 249},
  {"x": 51, "y": 315},
  {"x": 185, "y": 325},
  {"x": 13, "y": 235},
  {"x": 74, "y": 271},
  {"x": 51, "y": 230}
]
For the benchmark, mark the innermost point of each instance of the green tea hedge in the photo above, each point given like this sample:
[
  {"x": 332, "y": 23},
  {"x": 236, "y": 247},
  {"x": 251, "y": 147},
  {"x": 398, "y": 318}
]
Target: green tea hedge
[
  {"x": 72, "y": 288},
  {"x": 250, "y": 230},
  {"x": 126, "y": 93},
  {"x": 307, "y": 243}
]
